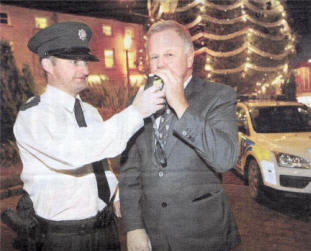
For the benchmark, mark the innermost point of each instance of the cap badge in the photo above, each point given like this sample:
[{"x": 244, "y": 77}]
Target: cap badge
[{"x": 82, "y": 34}]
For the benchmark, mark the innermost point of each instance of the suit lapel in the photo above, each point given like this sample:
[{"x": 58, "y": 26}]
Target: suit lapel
[
  {"x": 149, "y": 139},
  {"x": 171, "y": 141}
]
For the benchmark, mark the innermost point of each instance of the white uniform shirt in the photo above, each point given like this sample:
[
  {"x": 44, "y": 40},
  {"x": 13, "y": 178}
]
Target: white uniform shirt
[{"x": 56, "y": 152}]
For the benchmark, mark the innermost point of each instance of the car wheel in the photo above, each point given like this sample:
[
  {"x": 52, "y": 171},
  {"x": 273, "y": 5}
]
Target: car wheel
[{"x": 255, "y": 183}]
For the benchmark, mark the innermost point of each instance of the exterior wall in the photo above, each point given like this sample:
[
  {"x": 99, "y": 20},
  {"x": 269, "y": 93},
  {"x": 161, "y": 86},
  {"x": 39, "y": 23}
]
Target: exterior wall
[
  {"x": 303, "y": 70},
  {"x": 21, "y": 26},
  {"x": 303, "y": 82},
  {"x": 303, "y": 79}
]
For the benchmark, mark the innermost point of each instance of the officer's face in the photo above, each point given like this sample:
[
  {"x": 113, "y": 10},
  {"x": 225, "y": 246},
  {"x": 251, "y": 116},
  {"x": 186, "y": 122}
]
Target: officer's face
[
  {"x": 167, "y": 50},
  {"x": 69, "y": 75}
]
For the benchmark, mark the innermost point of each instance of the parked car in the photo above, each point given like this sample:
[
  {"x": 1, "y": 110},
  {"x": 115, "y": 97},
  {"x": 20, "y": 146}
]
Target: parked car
[{"x": 275, "y": 146}]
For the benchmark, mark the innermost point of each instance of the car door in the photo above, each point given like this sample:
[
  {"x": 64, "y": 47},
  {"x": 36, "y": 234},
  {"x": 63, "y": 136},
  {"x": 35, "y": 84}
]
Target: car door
[{"x": 243, "y": 134}]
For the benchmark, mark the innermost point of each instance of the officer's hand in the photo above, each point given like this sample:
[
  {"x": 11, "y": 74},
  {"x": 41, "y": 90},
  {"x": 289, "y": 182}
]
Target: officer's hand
[
  {"x": 149, "y": 101},
  {"x": 117, "y": 210},
  {"x": 137, "y": 240}
]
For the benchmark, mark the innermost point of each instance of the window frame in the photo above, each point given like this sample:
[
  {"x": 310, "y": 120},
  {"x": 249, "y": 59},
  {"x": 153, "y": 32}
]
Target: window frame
[
  {"x": 113, "y": 58},
  {"x": 36, "y": 19},
  {"x": 132, "y": 65},
  {"x": 111, "y": 30},
  {"x": 132, "y": 33},
  {"x": 7, "y": 18}
]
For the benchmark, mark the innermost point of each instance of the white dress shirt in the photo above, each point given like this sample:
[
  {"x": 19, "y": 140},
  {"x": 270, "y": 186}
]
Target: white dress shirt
[
  {"x": 157, "y": 121},
  {"x": 56, "y": 153}
]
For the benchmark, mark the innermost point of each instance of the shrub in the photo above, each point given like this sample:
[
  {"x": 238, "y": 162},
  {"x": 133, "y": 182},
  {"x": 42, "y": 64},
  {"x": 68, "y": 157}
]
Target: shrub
[
  {"x": 108, "y": 97},
  {"x": 15, "y": 88},
  {"x": 9, "y": 154}
]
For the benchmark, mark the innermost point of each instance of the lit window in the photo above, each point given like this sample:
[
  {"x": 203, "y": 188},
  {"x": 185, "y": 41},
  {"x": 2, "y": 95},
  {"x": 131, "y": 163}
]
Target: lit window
[
  {"x": 137, "y": 79},
  {"x": 132, "y": 59},
  {"x": 129, "y": 31},
  {"x": 3, "y": 18},
  {"x": 93, "y": 79},
  {"x": 107, "y": 30},
  {"x": 41, "y": 22},
  {"x": 109, "y": 58}
]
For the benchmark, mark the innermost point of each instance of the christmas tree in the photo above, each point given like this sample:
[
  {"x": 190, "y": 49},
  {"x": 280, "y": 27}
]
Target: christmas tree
[
  {"x": 15, "y": 88},
  {"x": 246, "y": 44}
]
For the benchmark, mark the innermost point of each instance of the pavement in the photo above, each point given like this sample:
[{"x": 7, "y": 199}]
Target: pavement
[{"x": 273, "y": 225}]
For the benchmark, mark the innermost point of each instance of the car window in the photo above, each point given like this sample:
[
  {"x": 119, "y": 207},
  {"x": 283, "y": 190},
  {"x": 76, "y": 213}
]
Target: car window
[{"x": 274, "y": 119}]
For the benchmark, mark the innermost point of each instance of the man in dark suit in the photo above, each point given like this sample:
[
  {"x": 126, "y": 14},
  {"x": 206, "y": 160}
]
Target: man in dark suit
[{"x": 170, "y": 192}]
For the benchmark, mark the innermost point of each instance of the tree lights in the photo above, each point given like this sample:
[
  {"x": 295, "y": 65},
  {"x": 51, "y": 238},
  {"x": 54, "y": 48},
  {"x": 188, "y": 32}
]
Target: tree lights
[{"x": 247, "y": 44}]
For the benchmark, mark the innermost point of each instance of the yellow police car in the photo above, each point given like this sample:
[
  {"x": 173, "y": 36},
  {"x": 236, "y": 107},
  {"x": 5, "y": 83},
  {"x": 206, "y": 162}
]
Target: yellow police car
[{"x": 275, "y": 146}]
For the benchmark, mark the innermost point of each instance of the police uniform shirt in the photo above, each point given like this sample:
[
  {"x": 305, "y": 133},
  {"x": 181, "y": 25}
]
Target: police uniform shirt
[{"x": 56, "y": 152}]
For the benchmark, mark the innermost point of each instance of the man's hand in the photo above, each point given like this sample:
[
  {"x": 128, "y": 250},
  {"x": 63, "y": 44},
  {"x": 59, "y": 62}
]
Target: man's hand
[
  {"x": 149, "y": 101},
  {"x": 117, "y": 210},
  {"x": 138, "y": 240},
  {"x": 174, "y": 91}
]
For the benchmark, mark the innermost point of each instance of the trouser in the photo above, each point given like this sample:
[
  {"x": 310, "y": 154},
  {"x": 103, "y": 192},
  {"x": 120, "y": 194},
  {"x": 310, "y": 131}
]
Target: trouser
[
  {"x": 37, "y": 234},
  {"x": 78, "y": 235}
]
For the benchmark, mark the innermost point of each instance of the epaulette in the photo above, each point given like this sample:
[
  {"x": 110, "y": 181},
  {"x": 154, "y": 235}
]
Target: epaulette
[{"x": 33, "y": 102}]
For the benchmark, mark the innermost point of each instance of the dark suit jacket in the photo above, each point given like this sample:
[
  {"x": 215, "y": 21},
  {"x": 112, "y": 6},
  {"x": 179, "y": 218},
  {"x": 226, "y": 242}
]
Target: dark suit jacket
[{"x": 185, "y": 205}]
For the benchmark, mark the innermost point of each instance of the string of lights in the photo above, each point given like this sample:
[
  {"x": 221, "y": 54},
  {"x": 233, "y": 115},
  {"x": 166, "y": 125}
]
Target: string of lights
[{"x": 256, "y": 32}]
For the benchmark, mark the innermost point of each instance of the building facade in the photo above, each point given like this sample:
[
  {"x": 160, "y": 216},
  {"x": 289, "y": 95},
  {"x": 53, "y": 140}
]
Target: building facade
[
  {"x": 303, "y": 82},
  {"x": 118, "y": 45},
  {"x": 303, "y": 71}
]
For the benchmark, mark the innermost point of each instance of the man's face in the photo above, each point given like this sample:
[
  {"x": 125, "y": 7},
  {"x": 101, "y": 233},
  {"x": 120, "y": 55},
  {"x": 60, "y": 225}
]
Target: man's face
[
  {"x": 69, "y": 75},
  {"x": 166, "y": 50}
]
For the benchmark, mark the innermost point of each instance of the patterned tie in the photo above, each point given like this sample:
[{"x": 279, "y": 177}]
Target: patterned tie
[
  {"x": 79, "y": 114},
  {"x": 160, "y": 135},
  {"x": 164, "y": 125}
]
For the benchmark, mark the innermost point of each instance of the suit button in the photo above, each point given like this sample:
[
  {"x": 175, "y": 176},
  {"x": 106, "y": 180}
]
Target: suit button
[
  {"x": 164, "y": 204},
  {"x": 82, "y": 230},
  {"x": 184, "y": 133},
  {"x": 161, "y": 174}
]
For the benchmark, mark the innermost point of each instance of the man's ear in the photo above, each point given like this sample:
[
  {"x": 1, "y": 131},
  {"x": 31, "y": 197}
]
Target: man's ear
[
  {"x": 47, "y": 65},
  {"x": 190, "y": 59}
]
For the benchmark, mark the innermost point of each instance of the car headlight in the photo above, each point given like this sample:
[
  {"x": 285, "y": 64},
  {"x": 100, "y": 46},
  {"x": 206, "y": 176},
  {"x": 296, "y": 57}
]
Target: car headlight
[{"x": 291, "y": 161}]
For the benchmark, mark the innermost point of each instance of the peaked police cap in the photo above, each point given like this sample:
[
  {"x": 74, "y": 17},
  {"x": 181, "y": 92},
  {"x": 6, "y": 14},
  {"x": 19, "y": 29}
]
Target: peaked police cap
[{"x": 69, "y": 40}]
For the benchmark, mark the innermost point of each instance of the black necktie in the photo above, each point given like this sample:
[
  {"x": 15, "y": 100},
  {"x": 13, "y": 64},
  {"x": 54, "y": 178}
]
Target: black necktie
[
  {"x": 79, "y": 114},
  {"x": 102, "y": 182},
  {"x": 99, "y": 166}
]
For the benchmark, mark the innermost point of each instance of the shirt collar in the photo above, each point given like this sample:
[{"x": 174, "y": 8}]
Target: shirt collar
[
  {"x": 57, "y": 96},
  {"x": 187, "y": 81}
]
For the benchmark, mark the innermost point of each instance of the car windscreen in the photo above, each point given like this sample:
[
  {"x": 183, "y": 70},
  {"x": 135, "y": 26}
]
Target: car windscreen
[{"x": 274, "y": 119}]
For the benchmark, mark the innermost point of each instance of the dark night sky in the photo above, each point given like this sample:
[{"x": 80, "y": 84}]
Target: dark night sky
[{"x": 299, "y": 11}]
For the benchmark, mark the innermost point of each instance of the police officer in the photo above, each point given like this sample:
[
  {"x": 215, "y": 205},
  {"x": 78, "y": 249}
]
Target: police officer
[{"x": 59, "y": 136}]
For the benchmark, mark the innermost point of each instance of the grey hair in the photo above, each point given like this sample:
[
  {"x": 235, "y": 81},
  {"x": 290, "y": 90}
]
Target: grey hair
[{"x": 181, "y": 30}]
